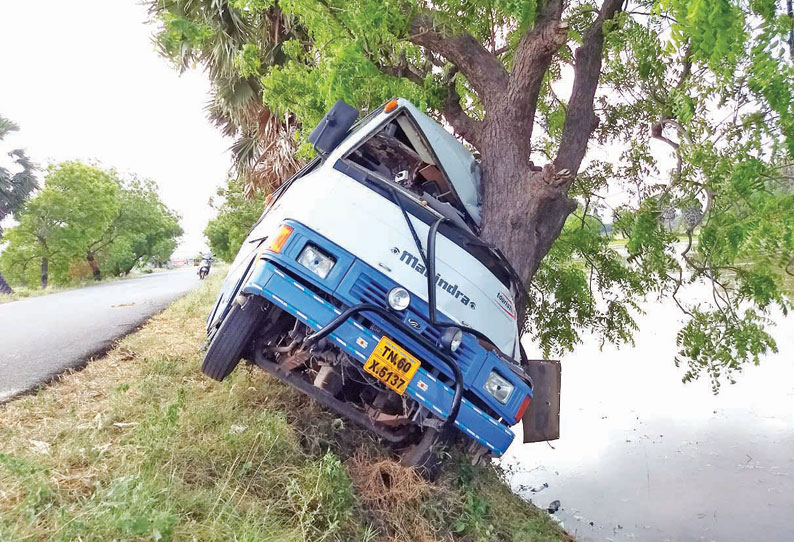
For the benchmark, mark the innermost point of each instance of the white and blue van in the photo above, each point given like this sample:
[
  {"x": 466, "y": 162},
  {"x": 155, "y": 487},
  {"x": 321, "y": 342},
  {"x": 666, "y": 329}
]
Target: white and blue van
[{"x": 364, "y": 284}]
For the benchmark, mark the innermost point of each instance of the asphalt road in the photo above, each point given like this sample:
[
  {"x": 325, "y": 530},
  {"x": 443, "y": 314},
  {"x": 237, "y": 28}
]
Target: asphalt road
[{"x": 41, "y": 337}]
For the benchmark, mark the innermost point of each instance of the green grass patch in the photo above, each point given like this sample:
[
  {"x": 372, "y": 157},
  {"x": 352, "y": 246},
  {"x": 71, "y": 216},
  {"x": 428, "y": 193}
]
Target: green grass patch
[{"x": 140, "y": 446}]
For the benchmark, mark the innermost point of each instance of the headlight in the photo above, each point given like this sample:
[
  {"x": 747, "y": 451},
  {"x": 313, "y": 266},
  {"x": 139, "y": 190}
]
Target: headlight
[
  {"x": 498, "y": 387},
  {"x": 399, "y": 298},
  {"x": 451, "y": 338},
  {"x": 316, "y": 261}
]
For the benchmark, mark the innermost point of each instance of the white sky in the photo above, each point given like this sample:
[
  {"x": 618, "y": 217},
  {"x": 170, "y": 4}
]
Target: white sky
[{"x": 83, "y": 81}]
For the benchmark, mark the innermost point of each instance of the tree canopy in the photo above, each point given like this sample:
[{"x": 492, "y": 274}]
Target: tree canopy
[
  {"x": 236, "y": 214},
  {"x": 86, "y": 219},
  {"x": 635, "y": 111}
]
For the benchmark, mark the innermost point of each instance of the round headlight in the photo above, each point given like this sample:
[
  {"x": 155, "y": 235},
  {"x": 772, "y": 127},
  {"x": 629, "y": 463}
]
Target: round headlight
[
  {"x": 399, "y": 298},
  {"x": 451, "y": 338}
]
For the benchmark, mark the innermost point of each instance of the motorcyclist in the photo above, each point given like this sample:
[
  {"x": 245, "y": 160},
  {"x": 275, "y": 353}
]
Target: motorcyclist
[{"x": 204, "y": 266}]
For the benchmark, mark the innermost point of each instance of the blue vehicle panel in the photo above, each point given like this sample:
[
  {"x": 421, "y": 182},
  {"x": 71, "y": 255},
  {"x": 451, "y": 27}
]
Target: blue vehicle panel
[
  {"x": 279, "y": 278},
  {"x": 287, "y": 293}
]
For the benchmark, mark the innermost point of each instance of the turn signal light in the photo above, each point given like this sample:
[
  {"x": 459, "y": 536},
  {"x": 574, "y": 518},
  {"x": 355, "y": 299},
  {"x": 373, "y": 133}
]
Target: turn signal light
[
  {"x": 391, "y": 105},
  {"x": 280, "y": 239},
  {"x": 523, "y": 408}
]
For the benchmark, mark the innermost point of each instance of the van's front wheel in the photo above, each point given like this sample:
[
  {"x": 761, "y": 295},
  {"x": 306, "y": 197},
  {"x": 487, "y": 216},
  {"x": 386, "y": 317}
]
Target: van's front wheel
[{"x": 232, "y": 337}]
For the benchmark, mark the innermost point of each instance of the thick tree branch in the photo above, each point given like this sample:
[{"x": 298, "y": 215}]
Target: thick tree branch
[
  {"x": 482, "y": 68},
  {"x": 580, "y": 120},
  {"x": 402, "y": 69},
  {"x": 533, "y": 56},
  {"x": 465, "y": 126}
]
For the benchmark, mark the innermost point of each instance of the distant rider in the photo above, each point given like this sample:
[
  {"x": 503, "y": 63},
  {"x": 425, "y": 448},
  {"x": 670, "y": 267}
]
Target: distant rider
[{"x": 204, "y": 266}]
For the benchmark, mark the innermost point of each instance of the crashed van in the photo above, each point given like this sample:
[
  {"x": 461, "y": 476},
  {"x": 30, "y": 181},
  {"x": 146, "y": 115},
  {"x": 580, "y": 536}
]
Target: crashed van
[{"x": 364, "y": 285}]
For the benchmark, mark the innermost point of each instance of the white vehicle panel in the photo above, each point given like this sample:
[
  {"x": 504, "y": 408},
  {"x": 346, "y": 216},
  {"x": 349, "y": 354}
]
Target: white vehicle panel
[{"x": 371, "y": 227}]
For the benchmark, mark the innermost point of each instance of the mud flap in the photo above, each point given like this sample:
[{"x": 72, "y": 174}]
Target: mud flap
[{"x": 541, "y": 421}]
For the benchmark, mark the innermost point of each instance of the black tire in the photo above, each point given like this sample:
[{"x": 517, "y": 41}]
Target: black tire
[{"x": 232, "y": 337}]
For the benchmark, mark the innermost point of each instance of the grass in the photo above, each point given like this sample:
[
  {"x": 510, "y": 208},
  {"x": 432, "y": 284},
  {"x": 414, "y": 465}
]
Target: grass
[
  {"x": 22, "y": 292},
  {"x": 140, "y": 446}
]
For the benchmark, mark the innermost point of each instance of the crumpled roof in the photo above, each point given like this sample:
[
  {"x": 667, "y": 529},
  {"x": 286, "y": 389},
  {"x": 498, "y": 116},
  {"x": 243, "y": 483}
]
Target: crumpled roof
[{"x": 456, "y": 160}]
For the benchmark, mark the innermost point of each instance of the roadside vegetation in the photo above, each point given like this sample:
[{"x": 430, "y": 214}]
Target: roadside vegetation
[
  {"x": 87, "y": 223},
  {"x": 141, "y": 446},
  {"x": 237, "y": 212}
]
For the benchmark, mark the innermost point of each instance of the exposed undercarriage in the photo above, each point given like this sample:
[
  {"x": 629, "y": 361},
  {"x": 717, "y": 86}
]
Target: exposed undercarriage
[{"x": 330, "y": 376}]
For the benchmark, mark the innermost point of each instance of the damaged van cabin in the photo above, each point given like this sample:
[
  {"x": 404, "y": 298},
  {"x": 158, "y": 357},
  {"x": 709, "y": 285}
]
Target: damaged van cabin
[{"x": 364, "y": 285}]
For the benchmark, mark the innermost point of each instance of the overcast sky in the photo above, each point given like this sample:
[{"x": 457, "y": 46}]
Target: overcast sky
[{"x": 82, "y": 80}]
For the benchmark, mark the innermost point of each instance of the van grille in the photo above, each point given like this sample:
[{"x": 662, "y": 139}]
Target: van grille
[{"x": 367, "y": 290}]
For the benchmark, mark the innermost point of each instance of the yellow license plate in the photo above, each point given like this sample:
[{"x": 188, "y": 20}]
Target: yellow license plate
[{"x": 392, "y": 365}]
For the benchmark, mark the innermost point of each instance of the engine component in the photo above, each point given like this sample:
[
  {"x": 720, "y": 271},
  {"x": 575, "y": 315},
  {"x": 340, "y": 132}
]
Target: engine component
[{"x": 328, "y": 379}]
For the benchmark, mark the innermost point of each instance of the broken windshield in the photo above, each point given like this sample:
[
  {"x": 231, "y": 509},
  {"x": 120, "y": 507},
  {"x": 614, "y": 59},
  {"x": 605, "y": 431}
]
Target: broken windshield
[{"x": 398, "y": 152}]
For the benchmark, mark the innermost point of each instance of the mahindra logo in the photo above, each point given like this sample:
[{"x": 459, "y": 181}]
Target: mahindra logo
[
  {"x": 452, "y": 289},
  {"x": 413, "y": 323}
]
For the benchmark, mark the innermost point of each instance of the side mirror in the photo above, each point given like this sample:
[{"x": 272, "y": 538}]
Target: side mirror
[{"x": 333, "y": 128}]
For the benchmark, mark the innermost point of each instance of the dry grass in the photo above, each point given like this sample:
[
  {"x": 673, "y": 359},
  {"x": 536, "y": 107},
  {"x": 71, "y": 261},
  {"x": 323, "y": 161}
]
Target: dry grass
[
  {"x": 392, "y": 493},
  {"x": 140, "y": 446}
]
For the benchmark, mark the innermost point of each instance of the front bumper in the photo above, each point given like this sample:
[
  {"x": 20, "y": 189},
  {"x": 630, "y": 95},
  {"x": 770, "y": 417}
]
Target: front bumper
[{"x": 287, "y": 292}]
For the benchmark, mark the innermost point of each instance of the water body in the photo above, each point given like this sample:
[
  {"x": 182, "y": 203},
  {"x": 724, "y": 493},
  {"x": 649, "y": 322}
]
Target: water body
[{"x": 643, "y": 456}]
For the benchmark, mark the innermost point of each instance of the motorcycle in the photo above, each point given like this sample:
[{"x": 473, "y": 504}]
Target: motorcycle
[{"x": 204, "y": 269}]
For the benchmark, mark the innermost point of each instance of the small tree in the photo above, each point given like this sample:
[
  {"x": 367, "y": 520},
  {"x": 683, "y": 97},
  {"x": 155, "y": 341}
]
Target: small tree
[
  {"x": 77, "y": 204},
  {"x": 15, "y": 188},
  {"x": 142, "y": 230}
]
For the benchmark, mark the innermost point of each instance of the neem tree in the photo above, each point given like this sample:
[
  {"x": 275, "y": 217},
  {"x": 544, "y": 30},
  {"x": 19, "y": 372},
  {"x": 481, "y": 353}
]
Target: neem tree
[{"x": 709, "y": 82}]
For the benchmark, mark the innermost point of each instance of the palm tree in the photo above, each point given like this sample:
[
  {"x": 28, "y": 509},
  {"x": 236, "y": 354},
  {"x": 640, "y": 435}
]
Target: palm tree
[
  {"x": 216, "y": 35},
  {"x": 14, "y": 187}
]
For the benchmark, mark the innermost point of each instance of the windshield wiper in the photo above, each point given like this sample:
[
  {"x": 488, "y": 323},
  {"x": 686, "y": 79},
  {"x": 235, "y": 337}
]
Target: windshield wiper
[{"x": 429, "y": 259}]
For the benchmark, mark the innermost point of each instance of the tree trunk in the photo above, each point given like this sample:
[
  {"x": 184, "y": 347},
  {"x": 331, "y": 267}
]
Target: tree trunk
[
  {"x": 44, "y": 266},
  {"x": 524, "y": 207},
  {"x": 94, "y": 265},
  {"x": 5, "y": 288},
  {"x": 525, "y": 218}
]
